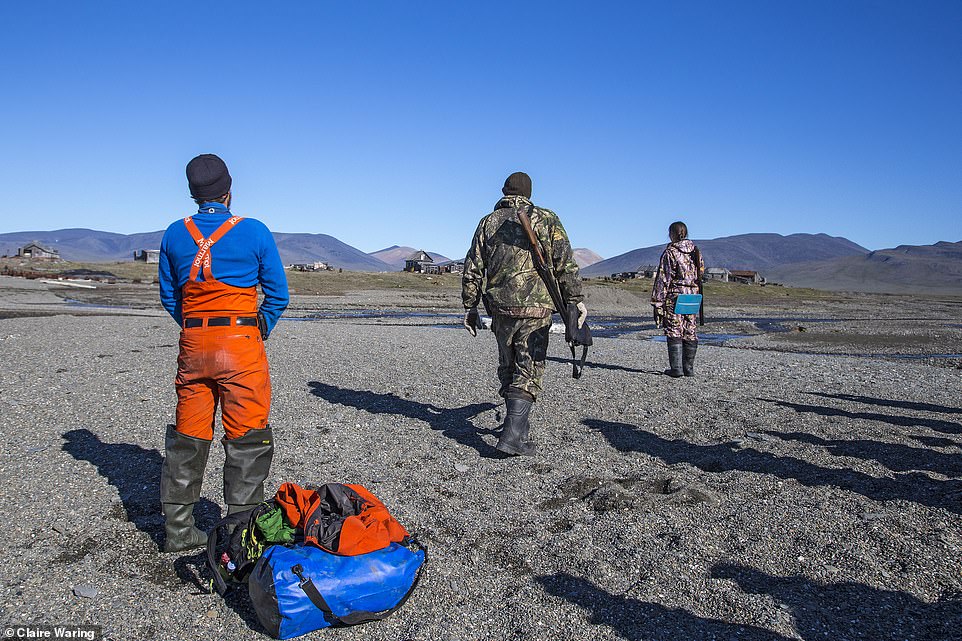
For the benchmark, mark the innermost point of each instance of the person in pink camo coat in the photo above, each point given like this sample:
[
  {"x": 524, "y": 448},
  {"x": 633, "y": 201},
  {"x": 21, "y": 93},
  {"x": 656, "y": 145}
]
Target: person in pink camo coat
[{"x": 679, "y": 270}]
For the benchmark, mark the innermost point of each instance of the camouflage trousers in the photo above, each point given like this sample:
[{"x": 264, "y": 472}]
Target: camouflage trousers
[
  {"x": 522, "y": 349},
  {"x": 680, "y": 326}
]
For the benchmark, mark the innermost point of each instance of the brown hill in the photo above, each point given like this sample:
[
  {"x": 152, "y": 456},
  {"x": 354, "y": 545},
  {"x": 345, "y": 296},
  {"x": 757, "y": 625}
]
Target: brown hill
[
  {"x": 585, "y": 257},
  {"x": 930, "y": 269}
]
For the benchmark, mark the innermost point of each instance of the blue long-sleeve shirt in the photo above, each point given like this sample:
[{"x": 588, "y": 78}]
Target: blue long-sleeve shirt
[{"x": 245, "y": 257}]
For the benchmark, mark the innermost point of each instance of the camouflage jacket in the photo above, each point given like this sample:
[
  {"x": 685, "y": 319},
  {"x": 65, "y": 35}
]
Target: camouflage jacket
[
  {"x": 501, "y": 253},
  {"x": 677, "y": 272}
]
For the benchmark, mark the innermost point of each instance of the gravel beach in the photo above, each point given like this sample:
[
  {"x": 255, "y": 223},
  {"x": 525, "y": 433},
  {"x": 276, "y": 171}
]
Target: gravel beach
[{"x": 807, "y": 484}]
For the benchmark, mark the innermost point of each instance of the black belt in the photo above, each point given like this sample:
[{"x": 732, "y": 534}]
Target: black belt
[{"x": 221, "y": 321}]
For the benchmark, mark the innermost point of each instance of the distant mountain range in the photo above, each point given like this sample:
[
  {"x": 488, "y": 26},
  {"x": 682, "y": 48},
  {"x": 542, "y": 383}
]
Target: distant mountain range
[
  {"x": 805, "y": 260},
  {"x": 297, "y": 248},
  {"x": 88, "y": 245},
  {"x": 585, "y": 257},
  {"x": 757, "y": 252},
  {"x": 926, "y": 269},
  {"x": 395, "y": 255}
]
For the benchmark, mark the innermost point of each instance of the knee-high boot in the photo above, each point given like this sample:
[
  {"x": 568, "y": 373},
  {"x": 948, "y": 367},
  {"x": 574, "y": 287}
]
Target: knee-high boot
[
  {"x": 674, "y": 358},
  {"x": 688, "y": 357},
  {"x": 514, "y": 432},
  {"x": 247, "y": 461},
  {"x": 180, "y": 481}
]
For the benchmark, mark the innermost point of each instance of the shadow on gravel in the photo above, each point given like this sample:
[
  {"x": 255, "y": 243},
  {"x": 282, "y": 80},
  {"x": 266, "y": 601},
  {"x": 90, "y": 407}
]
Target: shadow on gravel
[
  {"x": 135, "y": 472},
  {"x": 898, "y": 458},
  {"x": 193, "y": 570},
  {"x": 726, "y": 457},
  {"x": 638, "y": 620},
  {"x": 453, "y": 423},
  {"x": 593, "y": 365},
  {"x": 934, "y": 441},
  {"x": 946, "y": 427},
  {"x": 850, "y": 610},
  {"x": 885, "y": 402}
]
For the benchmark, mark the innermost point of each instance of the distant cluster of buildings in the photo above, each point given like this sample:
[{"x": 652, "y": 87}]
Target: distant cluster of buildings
[
  {"x": 153, "y": 256},
  {"x": 712, "y": 273},
  {"x": 316, "y": 266},
  {"x": 420, "y": 262}
]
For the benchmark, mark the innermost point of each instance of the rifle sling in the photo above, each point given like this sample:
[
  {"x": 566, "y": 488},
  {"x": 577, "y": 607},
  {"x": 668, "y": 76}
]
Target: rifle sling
[{"x": 543, "y": 270}]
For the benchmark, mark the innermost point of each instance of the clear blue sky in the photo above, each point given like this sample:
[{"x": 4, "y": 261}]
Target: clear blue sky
[{"x": 387, "y": 123}]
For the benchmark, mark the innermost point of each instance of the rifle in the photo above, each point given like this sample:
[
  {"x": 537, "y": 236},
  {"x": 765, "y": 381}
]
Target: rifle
[{"x": 574, "y": 335}]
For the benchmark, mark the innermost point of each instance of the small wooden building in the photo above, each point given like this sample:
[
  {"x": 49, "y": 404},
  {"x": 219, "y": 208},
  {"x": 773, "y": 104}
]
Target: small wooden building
[
  {"x": 420, "y": 262},
  {"x": 452, "y": 267},
  {"x": 147, "y": 255},
  {"x": 718, "y": 273},
  {"x": 746, "y": 276},
  {"x": 36, "y": 250}
]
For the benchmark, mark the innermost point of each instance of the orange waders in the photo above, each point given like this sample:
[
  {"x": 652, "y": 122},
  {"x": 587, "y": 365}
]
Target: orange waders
[{"x": 222, "y": 361}]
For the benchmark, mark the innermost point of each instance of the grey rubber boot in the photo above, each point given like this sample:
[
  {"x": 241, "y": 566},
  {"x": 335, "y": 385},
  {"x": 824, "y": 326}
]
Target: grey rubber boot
[
  {"x": 514, "y": 432},
  {"x": 180, "y": 481},
  {"x": 247, "y": 461},
  {"x": 675, "y": 357},
  {"x": 688, "y": 357}
]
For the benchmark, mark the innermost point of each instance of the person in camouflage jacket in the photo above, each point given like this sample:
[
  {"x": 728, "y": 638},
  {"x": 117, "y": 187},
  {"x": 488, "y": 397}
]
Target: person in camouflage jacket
[
  {"x": 499, "y": 271},
  {"x": 679, "y": 270}
]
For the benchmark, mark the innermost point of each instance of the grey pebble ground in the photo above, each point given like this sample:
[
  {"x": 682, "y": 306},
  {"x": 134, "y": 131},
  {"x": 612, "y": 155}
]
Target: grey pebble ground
[{"x": 775, "y": 496}]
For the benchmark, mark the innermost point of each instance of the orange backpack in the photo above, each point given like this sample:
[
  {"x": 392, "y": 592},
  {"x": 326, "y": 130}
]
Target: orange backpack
[{"x": 342, "y": 519}]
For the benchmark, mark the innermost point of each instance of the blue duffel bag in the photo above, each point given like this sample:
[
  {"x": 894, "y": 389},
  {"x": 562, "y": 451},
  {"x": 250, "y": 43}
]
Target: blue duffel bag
[{"x": 296, "y": 590}]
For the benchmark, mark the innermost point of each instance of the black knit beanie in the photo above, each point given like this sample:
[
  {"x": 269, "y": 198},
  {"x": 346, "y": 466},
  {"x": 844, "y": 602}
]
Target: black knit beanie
[
  {"x": 517, "y": 184},
  {"x": 207, "y": 177}
]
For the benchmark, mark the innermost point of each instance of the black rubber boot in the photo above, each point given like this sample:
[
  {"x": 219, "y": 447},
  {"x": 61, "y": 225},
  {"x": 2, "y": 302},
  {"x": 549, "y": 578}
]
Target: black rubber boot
[
  {"x": 180, "y": 481},
  {"x": 514, "y": 432},
  {"x": 674, "y": 358},
  {"x": 688, "y": 357},
  {"x": 247, "y": 460}
]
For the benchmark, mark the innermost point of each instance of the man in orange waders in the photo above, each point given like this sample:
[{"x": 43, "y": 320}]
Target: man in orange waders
[{"x": 210, "y": 266}]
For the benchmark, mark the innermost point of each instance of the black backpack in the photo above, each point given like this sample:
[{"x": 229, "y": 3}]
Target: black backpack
[{"x": 234, "y": 545}]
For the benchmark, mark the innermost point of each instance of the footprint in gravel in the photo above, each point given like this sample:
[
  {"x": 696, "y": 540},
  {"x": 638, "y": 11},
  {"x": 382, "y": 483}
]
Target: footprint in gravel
[
  {"x": 627, "y": 493},
  {"x": 76, "y": 550},
  {"x": 572, "y": 489},
  {"x": 515, "y": 564},
  {"x": 697, "y": 495},
  {"x": 561, "y": 525},
  {"x": 663, "y": 486},
  {"x": 611, "y": 497}
]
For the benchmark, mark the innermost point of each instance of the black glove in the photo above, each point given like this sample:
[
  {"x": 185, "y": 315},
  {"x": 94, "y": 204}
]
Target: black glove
[
  {"x": 472, "y": 321},
  {"x": 659, "y": 315}
]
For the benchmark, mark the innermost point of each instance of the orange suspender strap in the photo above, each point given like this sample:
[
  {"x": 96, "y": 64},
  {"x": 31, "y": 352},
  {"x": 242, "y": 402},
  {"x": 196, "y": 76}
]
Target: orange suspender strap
[{"x": 202, "y": 259}]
